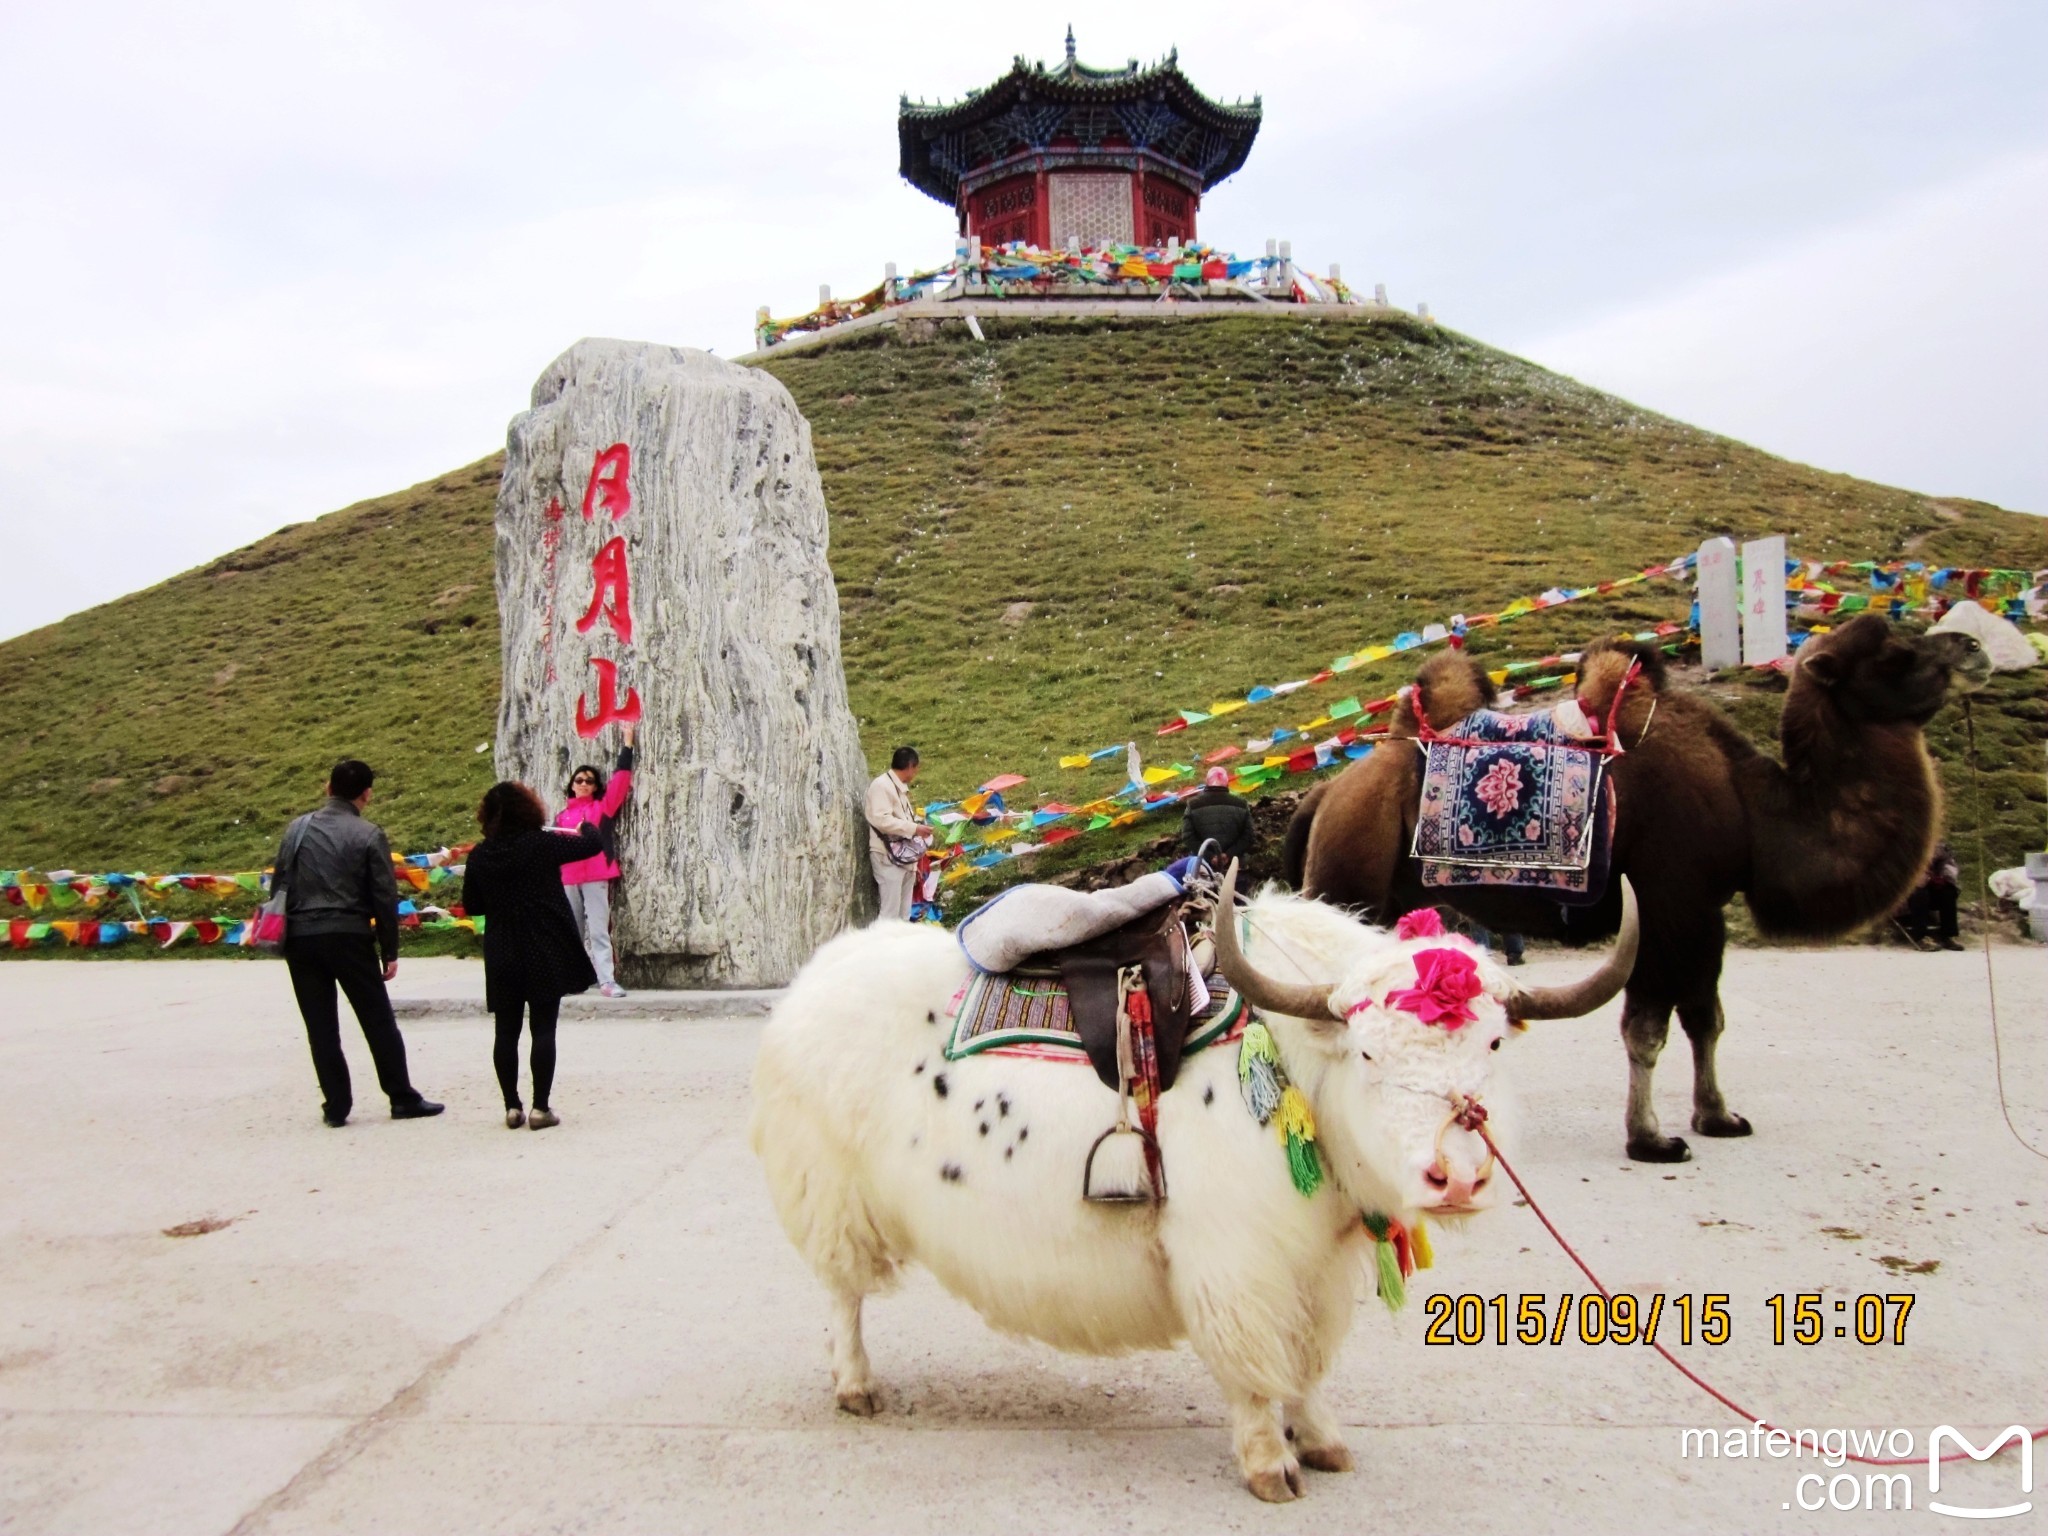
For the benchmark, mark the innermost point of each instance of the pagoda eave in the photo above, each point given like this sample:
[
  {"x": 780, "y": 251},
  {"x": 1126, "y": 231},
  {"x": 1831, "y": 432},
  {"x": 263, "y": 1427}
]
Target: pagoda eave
[{"x": 1025, "y": 111}]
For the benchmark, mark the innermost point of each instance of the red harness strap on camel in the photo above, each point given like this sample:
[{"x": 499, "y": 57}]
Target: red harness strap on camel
[{"x": 1606, "y": 745}]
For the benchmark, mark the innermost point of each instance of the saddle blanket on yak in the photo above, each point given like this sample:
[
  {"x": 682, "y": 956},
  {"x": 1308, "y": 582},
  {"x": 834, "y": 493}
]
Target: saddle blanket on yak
[
  {"x": 1027, "y": 1015},
  {"x": 1511, "y": 800},
  {"x": 1026, "y": 920}
]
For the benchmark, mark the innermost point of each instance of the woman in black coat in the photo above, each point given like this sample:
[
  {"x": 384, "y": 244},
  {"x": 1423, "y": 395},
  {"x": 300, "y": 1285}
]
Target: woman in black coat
[{"x": 533, "y": 956}]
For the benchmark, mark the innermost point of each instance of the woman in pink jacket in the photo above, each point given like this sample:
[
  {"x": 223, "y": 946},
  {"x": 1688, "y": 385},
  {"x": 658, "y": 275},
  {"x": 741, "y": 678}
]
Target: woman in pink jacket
[{"x": 596, "y": 802}]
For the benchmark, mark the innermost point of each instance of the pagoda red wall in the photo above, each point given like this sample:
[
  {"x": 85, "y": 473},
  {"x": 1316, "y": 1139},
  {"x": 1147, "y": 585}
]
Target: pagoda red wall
[
  {"x": 1015, "y": 208},
  {"x": 1018, "y": 208},
  {"x": 1163, "y": 210}
]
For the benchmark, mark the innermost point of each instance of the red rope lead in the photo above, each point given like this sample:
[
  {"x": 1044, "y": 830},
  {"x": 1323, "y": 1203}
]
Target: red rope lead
[{"x": 1672, "y": 1360}]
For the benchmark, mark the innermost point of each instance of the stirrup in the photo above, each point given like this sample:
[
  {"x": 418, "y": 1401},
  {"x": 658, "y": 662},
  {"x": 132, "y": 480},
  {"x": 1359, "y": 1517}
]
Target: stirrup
[
  {"x": 1123, "y": 1186},
  {"x": 1131, "y": 1185}
]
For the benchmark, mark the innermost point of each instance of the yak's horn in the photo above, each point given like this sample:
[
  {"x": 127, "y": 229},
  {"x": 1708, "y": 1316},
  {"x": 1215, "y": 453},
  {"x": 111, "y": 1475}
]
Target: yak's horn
[
  {"x": 1295, "y": 999},
  {"x": 1583, "y": 996}
]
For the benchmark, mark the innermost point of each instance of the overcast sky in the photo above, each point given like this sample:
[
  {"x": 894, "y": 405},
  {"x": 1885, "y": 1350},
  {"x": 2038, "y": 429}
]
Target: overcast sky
[{"x": 263, "y": 260}]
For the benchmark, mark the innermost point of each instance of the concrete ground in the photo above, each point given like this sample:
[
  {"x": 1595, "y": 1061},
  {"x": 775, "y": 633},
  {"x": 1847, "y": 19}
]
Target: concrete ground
[{"x": 445, "y": 1326}]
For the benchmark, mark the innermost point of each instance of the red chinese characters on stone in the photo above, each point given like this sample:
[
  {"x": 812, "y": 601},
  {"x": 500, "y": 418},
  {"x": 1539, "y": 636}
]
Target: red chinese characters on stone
[
  {"x": 609, "y": 707},
  {"x": 610, "y": 488},
  {"x": 612, "y": 597}
]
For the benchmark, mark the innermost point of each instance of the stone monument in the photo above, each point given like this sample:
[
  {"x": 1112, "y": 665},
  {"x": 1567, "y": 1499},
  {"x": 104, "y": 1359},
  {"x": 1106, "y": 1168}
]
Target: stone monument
[
  {"x": 1720, "y": 599},
  {"x": 1764, "y": 638},
  {"x": 661, "y": 538}
]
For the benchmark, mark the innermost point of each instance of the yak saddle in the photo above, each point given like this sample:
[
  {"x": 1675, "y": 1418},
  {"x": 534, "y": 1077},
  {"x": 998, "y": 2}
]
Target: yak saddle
[{"x": 1129, "y": 1001}]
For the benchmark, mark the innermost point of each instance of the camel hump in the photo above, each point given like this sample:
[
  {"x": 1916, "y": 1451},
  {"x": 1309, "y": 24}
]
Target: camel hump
[
  {"x": 1452, "y": 686},
  {"x": 1605, "y": 663}
]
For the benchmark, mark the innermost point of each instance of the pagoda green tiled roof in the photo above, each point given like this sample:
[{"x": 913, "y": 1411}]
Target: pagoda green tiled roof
[{"x": 1029, "y": 105}]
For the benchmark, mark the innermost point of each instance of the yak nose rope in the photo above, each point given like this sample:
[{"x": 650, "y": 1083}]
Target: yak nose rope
[
  {"x": 1669, "y": 1358},
  {"x": 1467, "y": 1115}
]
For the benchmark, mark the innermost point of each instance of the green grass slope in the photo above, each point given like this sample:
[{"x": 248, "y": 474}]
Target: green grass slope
[
  {"x": 1043, "y": 543},
  {"x": 176, "y": 728}
]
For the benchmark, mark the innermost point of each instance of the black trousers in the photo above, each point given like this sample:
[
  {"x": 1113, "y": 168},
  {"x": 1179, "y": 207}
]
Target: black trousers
[
  {"x": 1932, "y": 906},
  {"x": 318, "y": 963},
  {"x": 543, "y": 1013}
]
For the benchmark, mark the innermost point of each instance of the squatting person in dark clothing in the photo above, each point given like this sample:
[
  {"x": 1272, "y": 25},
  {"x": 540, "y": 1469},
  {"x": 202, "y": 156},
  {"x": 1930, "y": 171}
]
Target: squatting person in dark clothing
[
  {"x": 1932, "y": 905},
  {"x": 1214, "y": 812},
  {"x": 533, "y": 955},
  {"x": 341, "y": 910}
]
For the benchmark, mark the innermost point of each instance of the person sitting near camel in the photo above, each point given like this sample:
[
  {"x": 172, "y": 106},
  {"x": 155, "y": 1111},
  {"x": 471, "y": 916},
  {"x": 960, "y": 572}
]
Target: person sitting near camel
[
  {"x": 1214, "y": 814},
  {"x": 1933, "y": 903}
]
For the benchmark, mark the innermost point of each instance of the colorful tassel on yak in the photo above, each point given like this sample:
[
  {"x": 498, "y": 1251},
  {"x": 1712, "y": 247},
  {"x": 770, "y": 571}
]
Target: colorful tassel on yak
[
  {"x": 1274, "y": 1101},
  {"x": 1387, "y": 1260},
  {"x": 1296, "y": 1123},
  {"x": 1397, "y": 1251},
  {"x": 1259, "y": 1078}
]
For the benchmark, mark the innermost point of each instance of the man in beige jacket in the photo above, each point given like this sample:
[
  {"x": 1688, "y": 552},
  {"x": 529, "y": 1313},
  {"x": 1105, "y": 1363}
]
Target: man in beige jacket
[{"x": 891, "y": 815}]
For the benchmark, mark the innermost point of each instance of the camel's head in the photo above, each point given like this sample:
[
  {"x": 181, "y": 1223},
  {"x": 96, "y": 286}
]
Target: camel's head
[
  {"x": 1873, "y": 672},
  {"x": 1395, "y": 1038}
]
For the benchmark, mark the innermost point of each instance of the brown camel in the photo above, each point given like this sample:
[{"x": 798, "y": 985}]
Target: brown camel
[{"x": 1833, "y": 838}]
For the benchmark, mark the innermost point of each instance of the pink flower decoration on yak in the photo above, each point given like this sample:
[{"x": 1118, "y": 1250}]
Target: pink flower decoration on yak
[
  {"x": 1500, "y": 788},
  {"x": 1422, "y": 923},
  {"x": 1446, "y": 980}
]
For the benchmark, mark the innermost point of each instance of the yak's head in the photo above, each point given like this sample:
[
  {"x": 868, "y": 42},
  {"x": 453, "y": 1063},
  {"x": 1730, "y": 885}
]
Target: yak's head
[{"x": 1396, "y": 1039}]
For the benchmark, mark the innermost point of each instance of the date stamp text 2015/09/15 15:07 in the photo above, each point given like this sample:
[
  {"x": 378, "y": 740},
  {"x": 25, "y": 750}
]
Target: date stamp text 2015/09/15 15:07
[{"x": 1805, "y": 1317}]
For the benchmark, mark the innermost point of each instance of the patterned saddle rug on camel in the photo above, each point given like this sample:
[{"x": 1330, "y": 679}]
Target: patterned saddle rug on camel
[{"x": 1520, "y": 801}]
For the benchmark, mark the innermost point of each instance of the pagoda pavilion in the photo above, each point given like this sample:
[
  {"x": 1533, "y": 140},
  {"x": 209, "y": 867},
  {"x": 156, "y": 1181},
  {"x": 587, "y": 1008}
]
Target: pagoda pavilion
[{"x": 1098, "y": 157}]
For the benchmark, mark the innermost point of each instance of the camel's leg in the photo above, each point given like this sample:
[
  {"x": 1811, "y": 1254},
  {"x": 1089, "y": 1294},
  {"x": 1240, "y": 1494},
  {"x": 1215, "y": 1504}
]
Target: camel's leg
[
  {"x": 1318, "y": 1437},
  {"x": 1703, "y": 1023},
  {"x": 853, "y": 1383},
  {"x": 1644, "y": 1025}
]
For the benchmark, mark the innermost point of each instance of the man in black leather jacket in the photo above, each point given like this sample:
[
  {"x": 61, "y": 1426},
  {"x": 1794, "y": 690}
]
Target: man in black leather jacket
[
  {"x": 341, "y": 909},
  {"x": 1214, "y": 812}
]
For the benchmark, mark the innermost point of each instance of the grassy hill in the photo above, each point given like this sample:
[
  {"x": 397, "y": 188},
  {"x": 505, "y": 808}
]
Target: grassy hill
[{"x": 1047, "y": 542}]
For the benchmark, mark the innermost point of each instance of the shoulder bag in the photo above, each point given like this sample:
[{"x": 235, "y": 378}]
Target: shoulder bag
[{"x": 266, "y": 928}]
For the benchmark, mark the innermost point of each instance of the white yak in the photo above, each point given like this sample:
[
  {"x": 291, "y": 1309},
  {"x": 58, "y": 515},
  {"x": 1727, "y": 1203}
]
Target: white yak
[{"x": 879, "y": 1151}]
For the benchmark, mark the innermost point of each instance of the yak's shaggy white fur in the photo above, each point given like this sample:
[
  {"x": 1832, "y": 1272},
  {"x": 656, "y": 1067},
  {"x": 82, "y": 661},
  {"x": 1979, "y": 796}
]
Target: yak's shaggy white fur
[{"x": 879, "y": 1152}]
